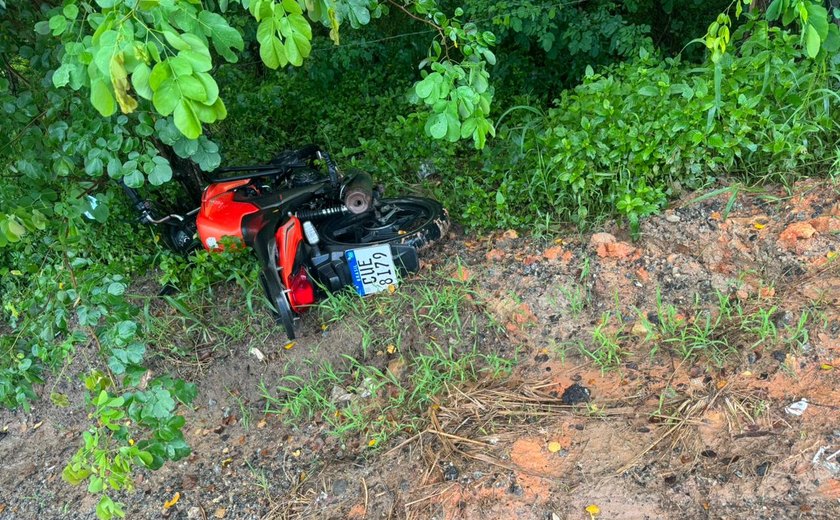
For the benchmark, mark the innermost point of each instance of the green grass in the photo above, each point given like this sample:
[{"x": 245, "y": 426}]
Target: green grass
[
  {"x": 715, "y": 334},
  {"x": 417, "y": 343}
]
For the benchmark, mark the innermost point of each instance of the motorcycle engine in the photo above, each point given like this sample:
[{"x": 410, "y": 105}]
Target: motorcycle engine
[{"x": 304, "y": 177}]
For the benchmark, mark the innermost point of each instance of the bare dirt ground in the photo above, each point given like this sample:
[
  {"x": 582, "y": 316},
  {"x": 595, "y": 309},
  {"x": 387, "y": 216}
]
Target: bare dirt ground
[{"x": 634, "y": 429}]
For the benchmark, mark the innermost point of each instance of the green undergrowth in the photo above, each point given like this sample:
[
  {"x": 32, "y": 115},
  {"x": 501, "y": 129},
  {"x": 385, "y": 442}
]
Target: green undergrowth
[
  {"x": 716, "y": 335},
  {"x": 416, "y": 345}
]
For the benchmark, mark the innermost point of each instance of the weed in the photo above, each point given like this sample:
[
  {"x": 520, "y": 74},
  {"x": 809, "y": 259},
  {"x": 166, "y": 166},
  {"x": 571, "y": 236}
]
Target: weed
[{"x": 606, "y": 351}]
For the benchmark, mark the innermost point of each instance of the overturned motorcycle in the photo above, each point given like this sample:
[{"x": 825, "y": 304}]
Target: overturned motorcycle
[{"x": 312, "y": 228}]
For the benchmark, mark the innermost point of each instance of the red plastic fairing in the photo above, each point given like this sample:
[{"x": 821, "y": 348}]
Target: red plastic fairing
[
  {"x": 289, "y": 237},
  {"x": 221, "y": 216}
]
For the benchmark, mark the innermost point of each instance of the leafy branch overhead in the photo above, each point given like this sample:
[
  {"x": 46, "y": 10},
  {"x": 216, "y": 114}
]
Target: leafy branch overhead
[{"x": 157, "y": 53}]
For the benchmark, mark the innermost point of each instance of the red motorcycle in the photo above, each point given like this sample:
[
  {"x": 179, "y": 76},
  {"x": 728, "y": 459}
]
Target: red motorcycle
[{"x": 312, "y": 228}]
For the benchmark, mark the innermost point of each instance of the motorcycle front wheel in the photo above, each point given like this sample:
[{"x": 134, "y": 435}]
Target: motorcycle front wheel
[{"x": 414, "y": 221}]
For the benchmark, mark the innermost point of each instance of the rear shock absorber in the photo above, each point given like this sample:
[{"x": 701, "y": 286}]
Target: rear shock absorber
[{"x": 314, "y": 214}]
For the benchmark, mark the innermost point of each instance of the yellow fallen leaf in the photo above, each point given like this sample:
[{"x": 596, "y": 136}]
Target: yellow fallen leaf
[
  {"x": 826, "y": 366},
  {"x": 261, "y": 424},
  {"x": 831, "y": 255},
  {"x": 289, "y": 345},
  {"x": 296, "y": 453},
  {"x": 37, "y": 425},
  {"x": 175, "y": 498},
  {"x": 391, "y": 349},
  {"x": 324, "y": 327},
  {"x": 392, "y": 289},
  {"x": 226, "y": 462},
  {"x": 758, "y": 225},
  {"x": 372, "y": 443},
  {"x": 554, "y": 446},
  {"x": 721, "y": 383},
  {"x": 593, "y": 510}
]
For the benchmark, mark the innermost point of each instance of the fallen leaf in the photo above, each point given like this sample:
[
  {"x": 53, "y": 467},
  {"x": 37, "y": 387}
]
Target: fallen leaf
[
  {"x": 392, "y": 289},
  {"x": 372, "y": 443},
  {"x": 758, "y": 225},
  {"x": 826, "y": 366},
  {"x": 593, "y": 510},
  {"x": 257, "y": 353},
  {"x": 554, "y": 446},
  {"x": 261, "y": 424},
  {"x": 510, "y": 234},
  {"x": 296, "y": 453},
  {"x": 289, "y": 345},
  {"x": 226, "y": 462},
  {"x": 37, "y": 425},
  {"x": 721, "y": 383},
  {"x": 220, "y": 512},
  {"x": 175, "y": 498}
]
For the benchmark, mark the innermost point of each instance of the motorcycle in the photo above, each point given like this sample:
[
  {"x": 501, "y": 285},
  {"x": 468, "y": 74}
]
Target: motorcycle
[{"x": 312, "y": 229}]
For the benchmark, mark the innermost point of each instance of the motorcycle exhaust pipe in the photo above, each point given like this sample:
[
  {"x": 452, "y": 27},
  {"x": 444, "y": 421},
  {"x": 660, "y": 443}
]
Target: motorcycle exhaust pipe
[{"x": 357, "y": 193}]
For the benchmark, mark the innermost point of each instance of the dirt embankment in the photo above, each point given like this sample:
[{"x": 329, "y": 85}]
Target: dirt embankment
[{"x": 691, "y": 344}]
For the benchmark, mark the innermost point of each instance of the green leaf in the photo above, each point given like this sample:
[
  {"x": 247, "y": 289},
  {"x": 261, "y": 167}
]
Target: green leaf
[
  {"x": 70, "y": 11},
  {"x": 134, "y": 179},
  {"x": 140, "y": 81},
  {"x": 812, "y": 41},
  {"x": 175, "y": 40},
  {"x": 166, "y": 97},
  {"x": 438, "y": 126},
  {"x": 773, "y": 10},
  {"x": 162, "y": 172},
  {"x": 58, "y": 24},
  {"x": 61, "y": 76},
  {"x": 224, "y": 37},
  {"x": 186, "y": 120},
  {"x": 424, "y": 88},
  {"x": 210, "y": 87},
  {"x": 273, "y": 54},
  {"x": 649, "y": 90},
  {"x": 818, "y": 18},
  {"x": 191, "y": 87},
  {"x": 101, "y": 98},
  {"x": 159, "y": 74}
]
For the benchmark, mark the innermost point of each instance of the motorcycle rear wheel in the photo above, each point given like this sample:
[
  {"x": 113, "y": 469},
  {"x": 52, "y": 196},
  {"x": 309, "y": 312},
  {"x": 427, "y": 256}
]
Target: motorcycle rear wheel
[{"x": 414, "y": 221}]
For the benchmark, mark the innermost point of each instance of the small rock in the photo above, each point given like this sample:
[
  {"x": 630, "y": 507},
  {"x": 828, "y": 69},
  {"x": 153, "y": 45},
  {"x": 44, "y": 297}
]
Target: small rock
[
  {"x": 339, "y": 487},
  {"x": 194, "y": 513},
  {"x": 762, "y": 468},
  {"x": 495, "y": 255},
  {"x": 779, "y": 355},
  {"x": 576, "y": 394},
  {"x": 615, "y": 250},
  {"x": 450, "y": 473},
  {"x": 516, "y": 489},
  {"x": 599, "y": 239},
  {"x": 796, "y": 231},
  {"x": 673, "y": 218}
]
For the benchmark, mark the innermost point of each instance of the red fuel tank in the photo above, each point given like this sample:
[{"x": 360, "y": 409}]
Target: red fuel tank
[{"x": 220, "y": 215}]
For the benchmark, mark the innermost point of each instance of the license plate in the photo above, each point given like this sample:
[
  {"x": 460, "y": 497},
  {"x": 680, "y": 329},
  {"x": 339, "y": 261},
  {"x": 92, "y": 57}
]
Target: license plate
[{"x": 372, "y": 268}]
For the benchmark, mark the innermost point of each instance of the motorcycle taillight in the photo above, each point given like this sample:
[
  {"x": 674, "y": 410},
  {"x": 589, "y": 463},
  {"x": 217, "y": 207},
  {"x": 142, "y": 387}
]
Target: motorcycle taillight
[{"x": 301, "y": 291}]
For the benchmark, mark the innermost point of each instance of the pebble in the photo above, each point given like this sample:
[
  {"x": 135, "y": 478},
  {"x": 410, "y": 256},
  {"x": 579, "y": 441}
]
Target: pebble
[
  {"x": 672, "y": 218},
  {"x": 339, "y": 487}
]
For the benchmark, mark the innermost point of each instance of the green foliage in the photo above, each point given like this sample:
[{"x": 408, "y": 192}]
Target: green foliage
[{"x": 639, "y": 131}]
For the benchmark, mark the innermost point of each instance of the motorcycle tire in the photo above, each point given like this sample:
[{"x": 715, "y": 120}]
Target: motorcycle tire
[{"x": 413, "y": 221}]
